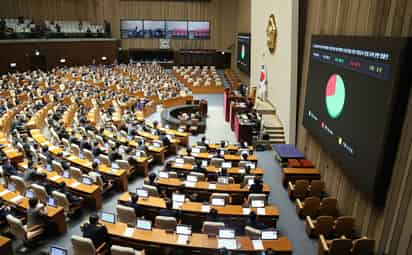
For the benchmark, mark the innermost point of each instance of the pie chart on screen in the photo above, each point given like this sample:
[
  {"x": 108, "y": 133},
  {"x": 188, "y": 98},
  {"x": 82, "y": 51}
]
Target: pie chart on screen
[{"x": 335, "y": 96}]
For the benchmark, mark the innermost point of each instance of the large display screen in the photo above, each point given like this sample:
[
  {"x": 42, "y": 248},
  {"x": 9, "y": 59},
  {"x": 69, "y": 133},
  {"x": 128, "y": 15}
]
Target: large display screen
[
  {"x": 154, "y": 28},
  {"x": 131, "y": 28},
  {"x": 355, "y": 102},
  {"x": 176, "y": 29},
  {"x": 243, "y": 52},
  {"x": 199, "y": 29}
]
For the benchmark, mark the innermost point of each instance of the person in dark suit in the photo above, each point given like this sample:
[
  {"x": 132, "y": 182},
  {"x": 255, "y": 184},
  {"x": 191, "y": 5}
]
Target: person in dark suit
[
  {"x": 95, "y": 231},
  {"x": 133, "y": 203},
  {"x": 73, "y": 200},
  {"x": 84, "y": 144},
  {"x": 198, "y": 168},
  {"x": 203, "y": 142},
  {"x": 73, "y": 138},
  {"x": 165, "y": 139},
  {"x": 152, "y": 179},
  {"x": 9, "y": 169},
  {"x": 140, "y": 146},
  {"x": 169, "y": 212},
  {"x": 253, "y": 221},
  {"x": 257, "y": 186},
  {"x": 213, "y": 215},
  {"x": 96, "y": 151}
]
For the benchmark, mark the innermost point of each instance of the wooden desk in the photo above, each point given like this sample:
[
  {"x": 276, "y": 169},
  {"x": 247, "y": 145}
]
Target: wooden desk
[
  {"x": 232, "y": 215},
  {"x": 11, "y": 153},
  {"x": 166, "y": 103},
  {"x": 5, "y": 246},
  {"x": 55, "y": 216},
  {"x": 199, "y": 243},
  {"x": 293, "y": 174},
  {"x": 230, "y": 147},
  {"x": 204, "y": 189}
]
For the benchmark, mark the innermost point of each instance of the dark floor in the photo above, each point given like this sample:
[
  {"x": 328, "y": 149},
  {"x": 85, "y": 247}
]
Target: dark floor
[{"x": 217, "y": 129}]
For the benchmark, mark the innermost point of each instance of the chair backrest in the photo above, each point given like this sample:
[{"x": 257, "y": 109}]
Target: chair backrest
[
  {"x": 211, "y": 227},
  {"x": 200, "y": 176},
  {"x": 57, "y": 167},
  {"x": 173, "y": 174},
  {"x": 100, "y": 140},
  {"x": 121, "y": 250},
  {"x": 316, "y": 188},
  {"x": 18, "y": 183},
  {"x": 363, "y": 246},
  {"x": 340, "y": 247},
  {"x": 152, "y": 190},
  {"x": 344, "y": 226},
  {"x": 224, "y": 196},
  {"x": 164, "y": 222},
  {"x": 301, "y": 189},
  {"x": 216, "y": 162},
  {"x": 105, "y": 160},
  {"x": 40, "y": 192},
  {"x": 61, "y": 200},
  {"x": 324, "y": 225},
  {"x": 75, "y": 149},
  {"x": 328, "y": 206},
  {"x": 75, "y": 173},
  {"x": 311, "y": 206},
  {"x": 189, "y": 159},
  {"x": 43, "y": 158},
  {"x": 97, "y": 178},
  {"x": 126, "y": 215},
  {"x": 253, "y": 233},
  {"x": 66, "y": 143},
  {"x": 82, "y": 246},
  {"x": 88, "y": 154},
  {"x": 16, "y": 227},
  {"x": 256, "y": 196}
]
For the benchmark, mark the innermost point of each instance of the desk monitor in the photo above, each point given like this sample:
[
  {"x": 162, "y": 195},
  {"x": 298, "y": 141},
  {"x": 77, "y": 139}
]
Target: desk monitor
[
  {"x": 66, "y": 174},
  {"x": 258, "y": 203},
  {"x": 244, "y": 151},
  {"x": 251, "y": 165},
  {"x": 138, "y": 153},
  {"x": 142, "y": 193},
  {"x": 269, "y": 234},
  {"x": 157, "y": 145},
  {"x": 49, "y": 167},
  {"x": 184, "y": 229},
  {"x": 51, "y": 202},
  {"x": 54, "y": 250},
  {"x": 29, "y": 194},
  {"x": 87, "y": 181},
  {"x": 218, "y": 201},
  {"x": 115, "y": 165},
  {"x": 164, "y": 174},
  {"x": 226, "y": 233},
  {"x": 223, "y": 180},
  {"x": 170, "y": 137},
  {"x": 180, "y": 198},
  {"x": 108, "y": 217},
  {"x": 181, "y": 130},
  {"x": 191, "y": 178},
  {"x": 180, "y": 161},
  {"x": 11, "y": 187},
  {"x": 226, "y": 164},
  {"x": 195, "y": 150},
  {"x": 144, "y": 224}
]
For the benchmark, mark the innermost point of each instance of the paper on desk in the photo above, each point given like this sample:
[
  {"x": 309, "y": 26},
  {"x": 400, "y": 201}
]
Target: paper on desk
[
  {"x": 261, "y": 211},
  {"x": 17, "y": 199},
  {"x": 55, "y": 178},
  {"x": 190, "y": 184},
  {"x": 205, "y": 208},
  {"x": 4, "y": 192},
  {"x": 246, "y": 211},
  {"x": 179, "y": 164},
  {"x": 182, "y": 239},
  {"x": 52, "y": 148},
  {"x": 257, "y": 244},
  {"x": 75, "y": 184},
  {"x": 212, "y": 185},
  {"x": 128, "y": 232},
  {"x": 227, "y": 243}
]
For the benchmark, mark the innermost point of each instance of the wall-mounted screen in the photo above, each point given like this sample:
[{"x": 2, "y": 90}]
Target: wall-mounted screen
[
  {"x": 131, "y": 28},
  {"x": 176, "y": 29},
  {"x": 355, "y": 101},
  {"x": 243, "y": 52},
  {"x": 154, "y": 28},
  {"x": 199, "y": 29}
]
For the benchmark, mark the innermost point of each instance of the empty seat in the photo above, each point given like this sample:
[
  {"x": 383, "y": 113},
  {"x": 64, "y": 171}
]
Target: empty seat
[
  {"x": 216, "y": 162},
  {"x": 309, "y": 207},
  {"x": 152, "y": 190},
  {"x": 57, "y": 167},
  {"x": 323, "y": 225},
  {"x": 126, "y": 215},
  {"x": 63, "y": 201},
  {"x": 212, "y": 228},
  {"x": 167, "y": 223},
  {"x": 299, "y": 189},
  {"x": 341, "y": 246},
  {"x": 363, "y": 246},
  {"x": 75, "y": 173},
  {"x": 18, "y": 183},
  {"x": 40, "y": 192},
  {"x": 121, "y": 250},
  {"x": 224, "y": 196},
  {"x": 85, "y": 246},
  {"x": 21, "y": 232},
  {"x": 328, "y": 206}
]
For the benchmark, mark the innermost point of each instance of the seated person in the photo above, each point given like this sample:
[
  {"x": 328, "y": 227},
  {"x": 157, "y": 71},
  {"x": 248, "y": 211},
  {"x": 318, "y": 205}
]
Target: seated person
[
  {"x": 133, "y": 203},
  {"x": 73, "y": 199},
  {"x": 95, "y": 231},
  {"x": 84, "y": 144},
  {"x": 198, "y": 168},
  {"x": 203, "y": 142},
  {"x": 35, "y": 213},
  {"x": 140, "y": 146},
  {"x": 257, "y": 186},
  {"x": 9, "y": 169},
  {"x": 165, "y": 139},
  {"x": 4, "y": 211},
  {"x": 151, "y": 180},
  {"x": 213, "y": 215},
  {"x": 253, "y": 221}
]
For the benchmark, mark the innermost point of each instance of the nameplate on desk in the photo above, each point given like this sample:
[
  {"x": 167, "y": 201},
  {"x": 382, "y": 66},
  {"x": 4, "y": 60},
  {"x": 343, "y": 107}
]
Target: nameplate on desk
[
  {"x": 257, "y": 245},
  {"x": 205, "y": 208},
  {"x": 4, "y": 192},
  {"x": 17, "y": 199},
  {"x": 55, "y": 178},
  {"x": 190, "y": 184},
  {"x": 182, "y": 239},
  {"x": 75, "y": 184},
  {"x": 212, "y": 185},
  {"x": 242, "y": 170},
  {"x": 128, "y": 232},
  {"x": 261, "y": 211},
  {"x": 230, "y": 244},
  {"x": 246, "y": 211}
]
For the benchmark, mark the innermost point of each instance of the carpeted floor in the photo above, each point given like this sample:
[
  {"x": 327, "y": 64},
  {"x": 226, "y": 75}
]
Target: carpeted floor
[{"x": 217, "y": 129}]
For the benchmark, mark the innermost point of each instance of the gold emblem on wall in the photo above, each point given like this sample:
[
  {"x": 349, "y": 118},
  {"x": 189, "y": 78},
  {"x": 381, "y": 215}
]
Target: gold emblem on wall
[{"x": 271, "y": 33}]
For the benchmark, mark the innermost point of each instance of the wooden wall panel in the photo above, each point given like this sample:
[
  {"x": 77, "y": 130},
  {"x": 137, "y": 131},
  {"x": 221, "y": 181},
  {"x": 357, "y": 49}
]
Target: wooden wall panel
[{"x": 390, "y": 225}]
